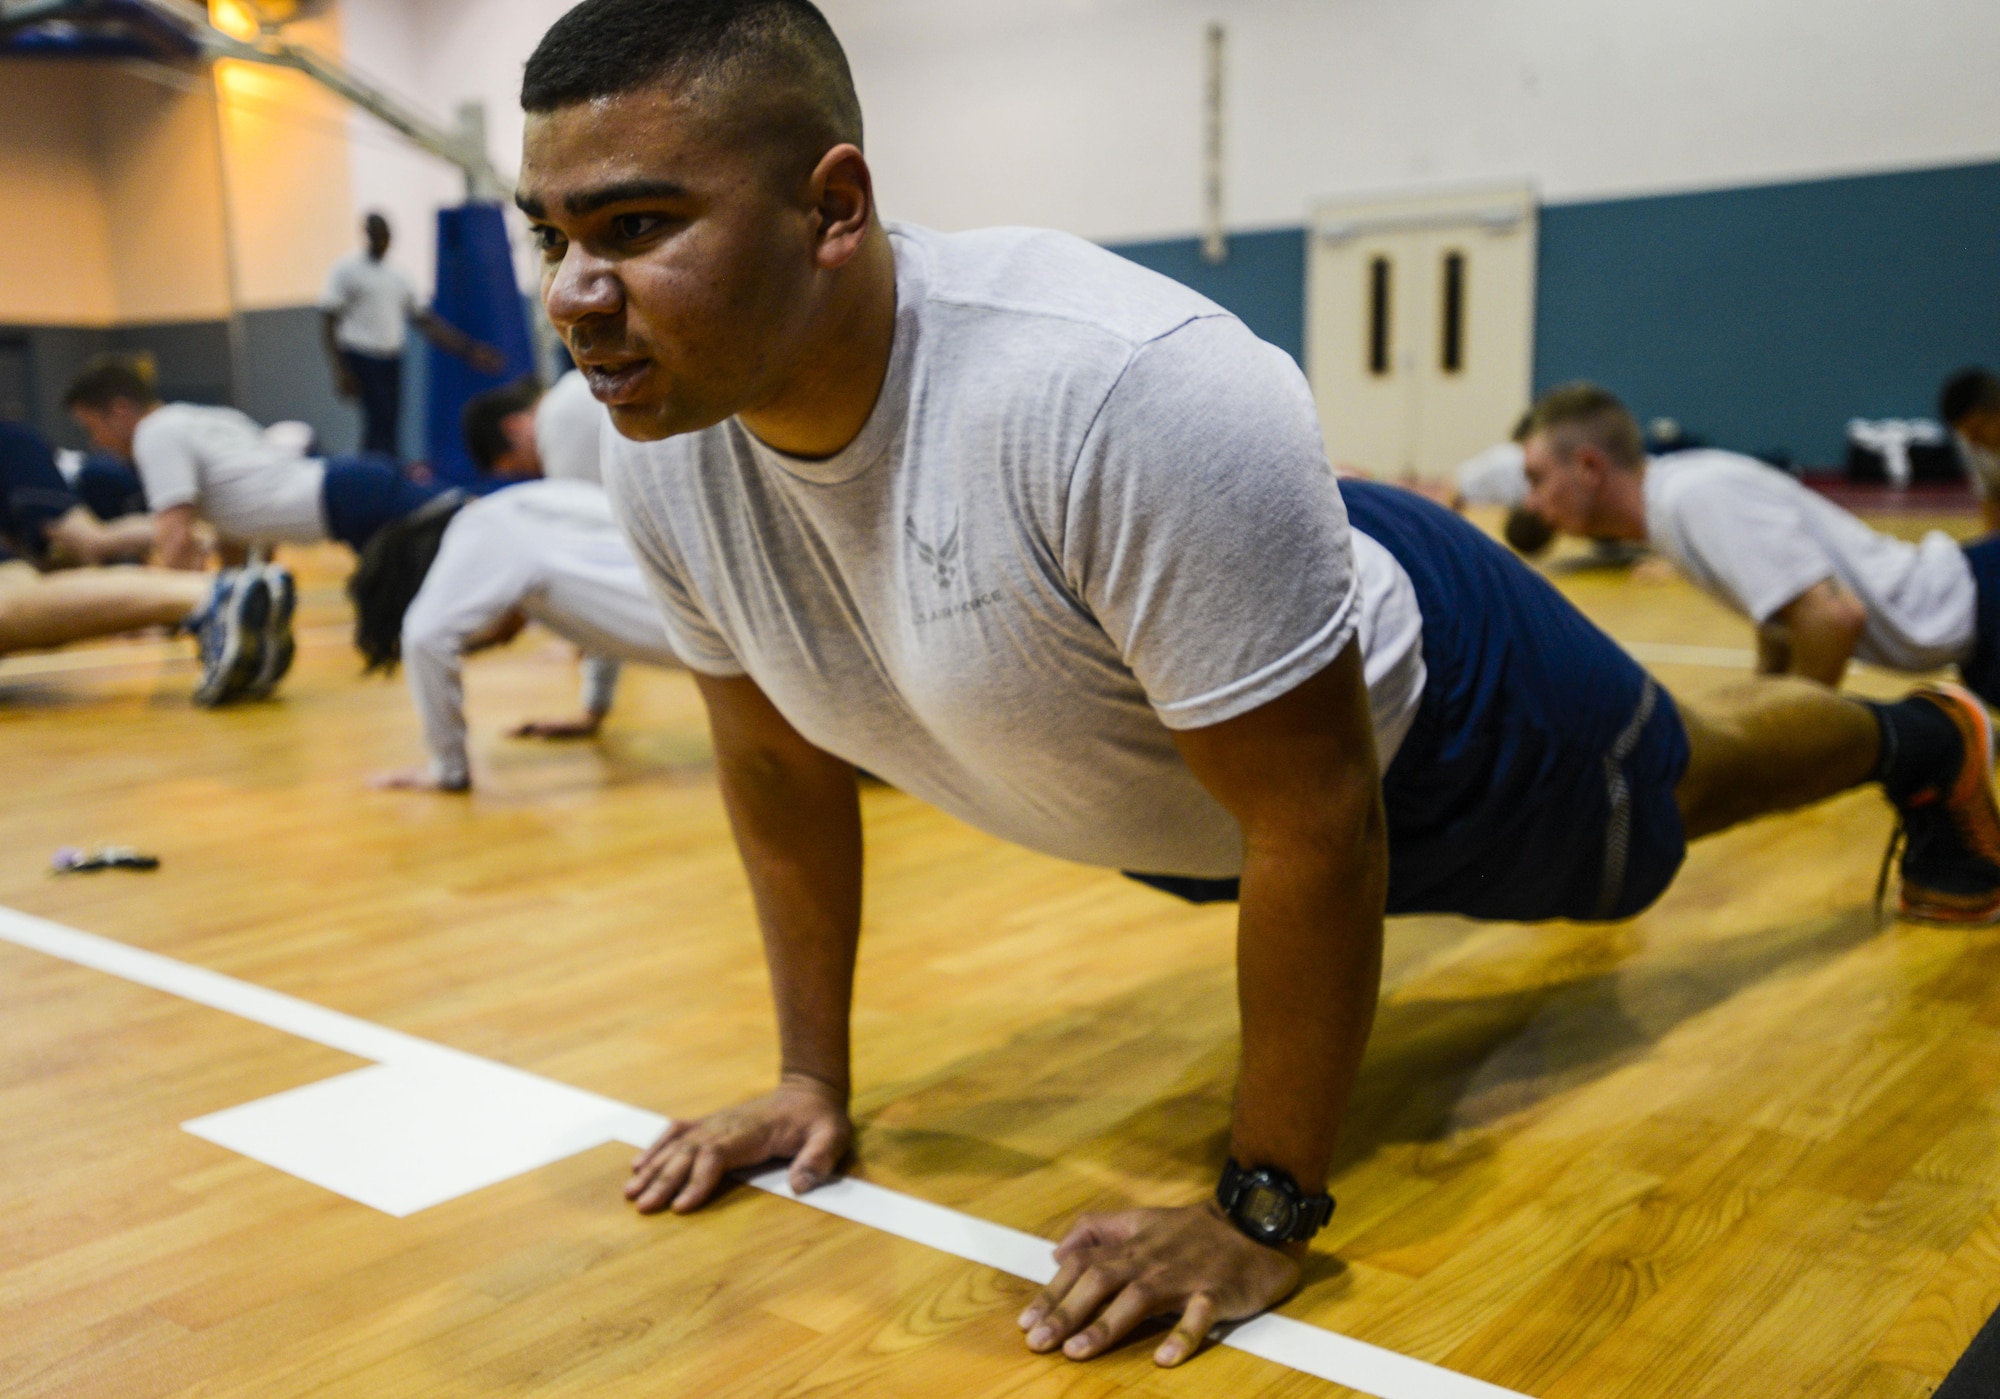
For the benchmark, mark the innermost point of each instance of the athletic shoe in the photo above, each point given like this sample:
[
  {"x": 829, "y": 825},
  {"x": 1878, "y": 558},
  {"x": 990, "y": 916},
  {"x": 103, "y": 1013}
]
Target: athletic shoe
[
  {"x": 230, "y": 632},
  {"x": 278, "y": 644},
  {"x": 1951, "y": 855}
]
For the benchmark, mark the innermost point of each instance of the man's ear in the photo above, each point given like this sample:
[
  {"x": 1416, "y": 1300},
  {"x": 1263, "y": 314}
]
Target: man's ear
[
  {"x": 843, "y": 195},
  {"x": 1594, "y": 466}
]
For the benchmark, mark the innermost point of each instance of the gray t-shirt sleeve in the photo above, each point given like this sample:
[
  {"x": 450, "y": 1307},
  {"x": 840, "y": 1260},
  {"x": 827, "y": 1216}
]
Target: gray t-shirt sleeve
[
  {"x": 1204, "y": 529},
  {"x": 690, "y": 633}
]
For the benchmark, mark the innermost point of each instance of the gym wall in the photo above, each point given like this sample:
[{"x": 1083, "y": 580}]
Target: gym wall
[
  {"x": 1704, "y": 248},
  {"x": 150, "y": 217},
  {"x": 1761, "y": 318}
]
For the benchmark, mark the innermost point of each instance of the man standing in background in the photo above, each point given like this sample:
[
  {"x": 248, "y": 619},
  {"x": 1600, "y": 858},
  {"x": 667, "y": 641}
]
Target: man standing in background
[{"x": 365, "y": 315}]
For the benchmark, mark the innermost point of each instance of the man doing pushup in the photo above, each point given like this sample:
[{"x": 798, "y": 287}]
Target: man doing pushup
[{"x": 1051, "y": 542}]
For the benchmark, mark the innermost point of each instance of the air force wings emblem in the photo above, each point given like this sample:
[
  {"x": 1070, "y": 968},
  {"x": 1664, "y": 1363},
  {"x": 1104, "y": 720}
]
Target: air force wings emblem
[{"x": 940, "y": 559}]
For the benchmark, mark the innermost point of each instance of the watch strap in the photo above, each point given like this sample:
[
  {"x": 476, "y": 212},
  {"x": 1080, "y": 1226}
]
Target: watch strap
[{"x": 1313, "y": 1210}]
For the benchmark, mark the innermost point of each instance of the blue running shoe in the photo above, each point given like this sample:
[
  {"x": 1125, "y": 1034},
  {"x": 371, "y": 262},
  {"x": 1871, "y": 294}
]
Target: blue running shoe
[
  {"x": 278, "y": 645},
  {"x": 230, "y": 632}
]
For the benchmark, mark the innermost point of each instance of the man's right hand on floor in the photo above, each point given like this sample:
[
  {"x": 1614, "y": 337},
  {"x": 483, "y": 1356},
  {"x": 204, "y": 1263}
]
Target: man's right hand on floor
[{"x": 802, "y": 1120}]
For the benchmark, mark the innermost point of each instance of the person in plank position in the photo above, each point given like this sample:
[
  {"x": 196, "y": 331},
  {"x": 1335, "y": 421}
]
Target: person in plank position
[
  {"x": 1051, "y": 542},
  {"x": 77, "y": 598},
  {"x": 457, "y": 577},
  {"x": 1820, "y": 586},
  {"x": 215, "y": 464},
  {"x": 519, "y": 432}
]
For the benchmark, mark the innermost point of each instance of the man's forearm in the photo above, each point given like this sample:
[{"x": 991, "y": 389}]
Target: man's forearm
[
  {"x": 1309, "y": 969},
  {"x": 329, "y": 339},
  {"x": 1774, "y": 649},
  {"x": 175, "y": 543},
  {"x": 798, "y": 826},
  {"x": 1821, "y": 654},
  {"x": 435, "y": 674},
  {"x": 446, "y": 336}
]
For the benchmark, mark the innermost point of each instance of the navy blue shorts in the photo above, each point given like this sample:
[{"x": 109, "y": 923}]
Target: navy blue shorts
[
  {"x": 33, "y": 494},
  {"x": 110, "y": 488},
  {"x": 1981, "y": 670},
  {"x": 364, "y": 493},
  {"x": 1538, "y": 778}
]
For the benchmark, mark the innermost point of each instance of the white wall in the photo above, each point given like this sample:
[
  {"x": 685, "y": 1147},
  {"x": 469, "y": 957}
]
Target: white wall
[
  {"x": 436, "y": 54},
  {"x": 383, "y": 43},
  {"x": 1085, "y": 114}
]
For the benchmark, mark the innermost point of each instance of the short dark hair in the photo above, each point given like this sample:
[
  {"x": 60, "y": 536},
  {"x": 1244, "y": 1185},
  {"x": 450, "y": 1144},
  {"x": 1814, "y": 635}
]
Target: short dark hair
[
  {"x": 109, "y": 379},
  {"x": 1594, "y": 414},
  {"x": 483, "y": 421},
  {"x": 1967, "y": 392},
  {"x": 390, "y": 575},
  {"x": 782, "y": 50}
]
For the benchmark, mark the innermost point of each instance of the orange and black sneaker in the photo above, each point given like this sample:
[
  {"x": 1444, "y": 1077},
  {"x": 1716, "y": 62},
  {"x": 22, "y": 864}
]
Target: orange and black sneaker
[{"x": 1951, "y": 829}]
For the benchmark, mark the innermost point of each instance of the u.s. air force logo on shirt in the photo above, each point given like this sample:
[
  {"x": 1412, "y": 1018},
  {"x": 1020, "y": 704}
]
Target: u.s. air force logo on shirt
[
  {"x": 942, "y": 561},
  {"x": 940, "y": 558}
]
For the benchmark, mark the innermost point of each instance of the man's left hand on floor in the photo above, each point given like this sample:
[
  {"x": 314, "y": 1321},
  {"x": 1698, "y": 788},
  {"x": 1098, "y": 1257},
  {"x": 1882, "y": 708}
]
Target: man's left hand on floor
[{"x": 1118, "y": 1270}]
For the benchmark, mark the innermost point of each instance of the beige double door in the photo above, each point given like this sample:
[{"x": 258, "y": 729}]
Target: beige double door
[{"x": 1420, "y": 333}]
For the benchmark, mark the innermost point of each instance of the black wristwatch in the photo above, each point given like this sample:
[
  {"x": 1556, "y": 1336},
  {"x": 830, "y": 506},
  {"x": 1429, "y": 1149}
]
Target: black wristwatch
[{"x": 1268, "y": 1206}]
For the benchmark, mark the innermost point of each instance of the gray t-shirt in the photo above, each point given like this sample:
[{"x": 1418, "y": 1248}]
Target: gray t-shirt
[
  {"x": 1089, "y": 508},
  {"x": 1756, "y": 539}
]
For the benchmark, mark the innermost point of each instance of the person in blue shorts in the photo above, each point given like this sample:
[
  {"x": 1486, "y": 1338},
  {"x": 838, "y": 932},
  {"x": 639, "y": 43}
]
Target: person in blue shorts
[
  {"x": 1051, "y": 542},
  {"x": 216, "y": 465},
  {"x": 46, "y": 520}
]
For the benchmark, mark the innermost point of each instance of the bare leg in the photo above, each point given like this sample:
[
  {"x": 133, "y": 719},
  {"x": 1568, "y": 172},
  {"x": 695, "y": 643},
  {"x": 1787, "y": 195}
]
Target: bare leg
[
  {"x": 85, "y": 603},
  {"x": 1771, "y": 745}
]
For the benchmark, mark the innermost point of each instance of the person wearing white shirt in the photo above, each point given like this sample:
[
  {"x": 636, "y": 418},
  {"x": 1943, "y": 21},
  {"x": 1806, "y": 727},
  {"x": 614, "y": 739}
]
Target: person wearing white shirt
[
  {"x": 570, "y": 427},
  {"x": 518, "y": 431},
  {"x": 1496, "y": 476},
  {"x": 457, "y": 578},
  {"x": 1969, "y": 404},
  {"x": 1821, "y": 587},
  {"x": 365, "y": 314},
  {"x": 217, "y": 465}
]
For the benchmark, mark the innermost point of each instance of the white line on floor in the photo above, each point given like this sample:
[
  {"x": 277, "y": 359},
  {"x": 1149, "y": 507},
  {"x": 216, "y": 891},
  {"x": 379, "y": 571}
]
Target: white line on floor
[
  {"x": 1666, "y": 653},
  {"x": 589, "y": 1120}
]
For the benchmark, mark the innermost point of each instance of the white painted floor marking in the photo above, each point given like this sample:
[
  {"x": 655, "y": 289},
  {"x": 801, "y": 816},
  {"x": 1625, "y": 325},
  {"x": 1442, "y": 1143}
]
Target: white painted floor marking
[
  {"x": 1665, "y": 653},
  {"x": 403, "y": 1137},
  {"x": 428, "y": 1123}
]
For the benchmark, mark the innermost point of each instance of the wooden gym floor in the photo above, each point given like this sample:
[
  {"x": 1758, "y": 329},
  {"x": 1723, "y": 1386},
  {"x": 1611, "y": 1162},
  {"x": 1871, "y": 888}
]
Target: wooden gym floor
[{"x": 1747, "y": 1144}]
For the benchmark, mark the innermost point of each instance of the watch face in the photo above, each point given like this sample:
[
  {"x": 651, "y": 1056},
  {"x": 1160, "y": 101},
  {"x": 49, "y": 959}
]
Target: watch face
[{"x": 1268, "y": 1211}]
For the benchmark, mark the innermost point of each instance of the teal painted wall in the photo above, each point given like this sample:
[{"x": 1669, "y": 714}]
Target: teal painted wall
[
  {"x": 1764, "y": 318},
  {"x": 1263, "y": 280},
  {"x": 1761, "y": 318}
]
